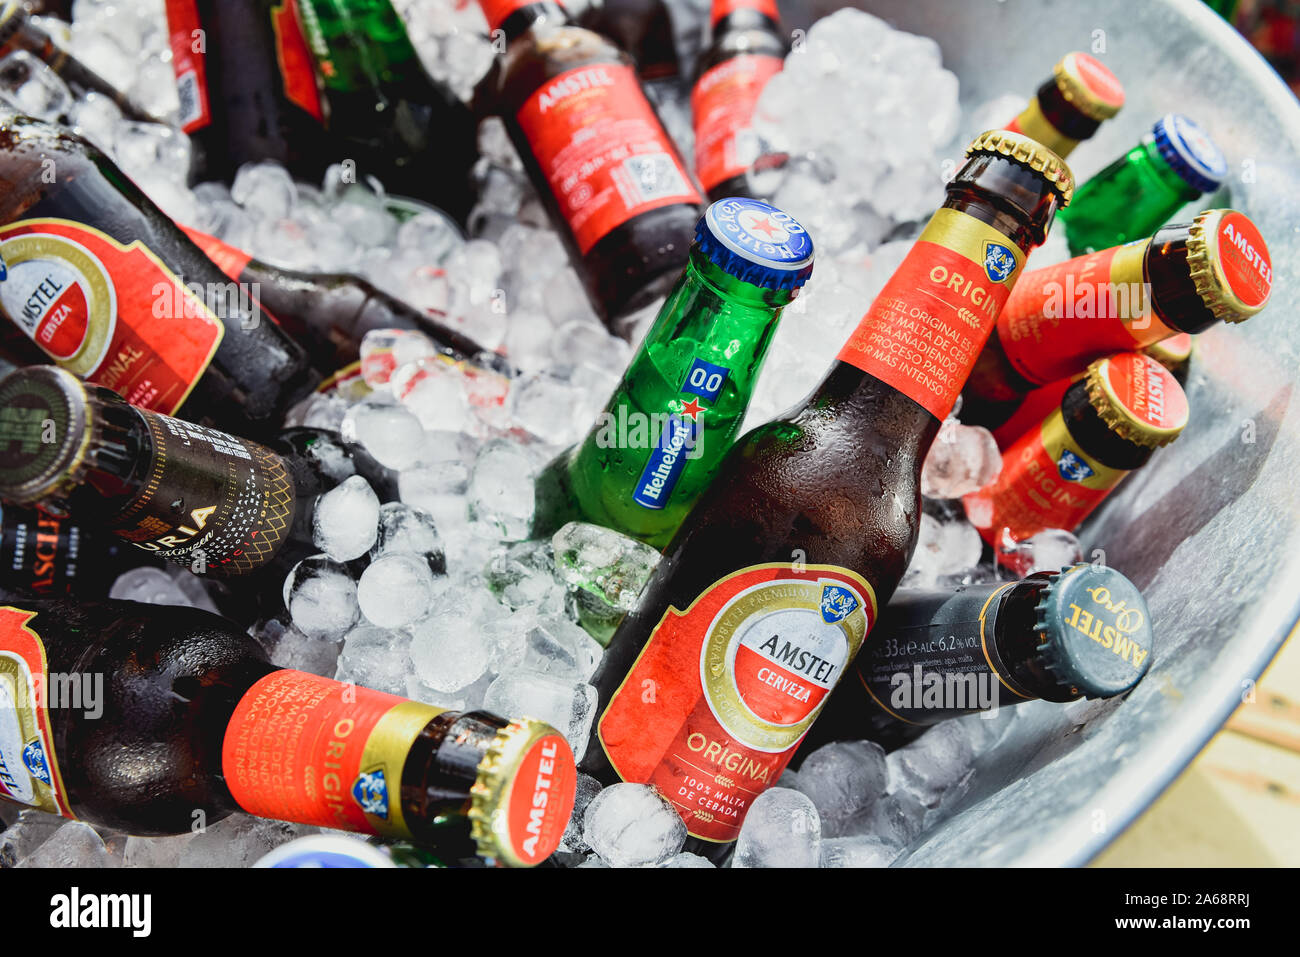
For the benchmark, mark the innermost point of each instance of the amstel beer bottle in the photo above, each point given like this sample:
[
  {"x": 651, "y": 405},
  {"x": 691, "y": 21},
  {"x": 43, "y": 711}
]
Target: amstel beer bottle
[
  {"x": 1109, "y": 422},
  {"x": 220, "y": 505},
  {"x": 1081, "y": 632},
  {"x": 1135, "y": 195},
  {"x": 643, "y": 29},
  {"x": 247, "y": 87},
  {"x": 772, "y": 583},
  {"x": 654, "y": 449},
  {"x": 174, "y": 717},
  {"x": 1071, "y": 106},
  {"x": 601, "y": 161},
  {"x": 1184, "y": 279},
  {"x": 748, "y": 49},
  {"x": 110, "y": 288},
  {"x": 385, "y": 112}
]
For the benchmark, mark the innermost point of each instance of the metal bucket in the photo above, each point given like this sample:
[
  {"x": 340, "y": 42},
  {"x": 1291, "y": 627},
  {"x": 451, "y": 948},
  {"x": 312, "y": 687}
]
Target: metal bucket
[{"x": 1210, "y": 529}]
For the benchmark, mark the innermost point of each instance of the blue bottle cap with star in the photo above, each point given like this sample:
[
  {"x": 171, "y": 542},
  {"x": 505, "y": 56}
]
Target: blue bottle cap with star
[{"x": 756, "y": 242}]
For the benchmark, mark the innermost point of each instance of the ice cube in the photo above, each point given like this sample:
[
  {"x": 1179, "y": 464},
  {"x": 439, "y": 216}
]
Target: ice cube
[
  {"x": 586, "y": 790},
  {"x": 346, "y": 520},
  {"x": 522, "y": 574},
  {"x": 449, "y": 649},
  {"x": 407, "y": 530},
  {"x": 781, "y": 829},
  {"x": 75, "y": 844},
  {"x": 396, "y": 590},
  {"x": 631, "y": 825},
  {"x": 933, "y": 763},
  {"x": 150, "y": 585},
  {"x": 436, "y": 393},
  {"x": 321, "y": 597},
  {"x": 557, "y": 647},
  {"x": 289, "y": 647},
  {"x": 1050, "y": 550},
  {"x": 567, "y": 705},
  {"x": 391, "y": 433},
  {"x": 857, "y": 852},
  {"x": 375, "y": 657},
  {"x": 963, "y": 459},
  {"x": 546, "y": 406},
  {"x": 943, "y": 549},
  {"x": 265, "y": 189},
  {"x": 384, "y": 350},
  {"x": 604, "y": 562},
  {"x": 844, "y": 779},
  {"x": 501, "y": 489},
  {"x": 31, "y": 87},
  {"x": 688, "y": 860},
  {"x": 22, "y": 838},
  {"x": 151, "y": 150},
  {"x": 896, "y": 819}
]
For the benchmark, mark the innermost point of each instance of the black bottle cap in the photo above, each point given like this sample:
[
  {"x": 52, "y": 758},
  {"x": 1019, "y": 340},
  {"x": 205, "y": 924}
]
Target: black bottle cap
[{"x": 1094, "y": 631}]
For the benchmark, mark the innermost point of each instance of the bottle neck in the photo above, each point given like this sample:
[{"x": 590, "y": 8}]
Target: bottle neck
[
  {"x": 1173, "y": 291},
  {"x": 1147, "y": 155},
  {"x": 119, "y": 456},
  {"x": 358, "y": 50},
  {"x": 514, "y": 19},
  {"x": 1094, "y": 436},
  {"x": 1062, "y": 114},
  {"x": 727, "y": 15},
  {"x": 1014, "y": 629}
]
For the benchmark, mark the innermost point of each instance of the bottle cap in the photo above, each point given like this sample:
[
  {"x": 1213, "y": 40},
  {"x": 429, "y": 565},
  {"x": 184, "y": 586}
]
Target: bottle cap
[
  {"x": 1190, "y": 152},
  {"x": 326, "y": 850},
  {"x": 47, "y": 428},
  {"x": 1138, "y": 398},
  {"x": 1029, "y": 153},
  {"x": 756, "y": 242},
  {"x": 523, "y": 798},
  {"x": 1094, "y": 630},
  {"x": 1088, "y": 86},
  {"x": 1171, "y": 352},
  {"x": 1230, "y": 264}
]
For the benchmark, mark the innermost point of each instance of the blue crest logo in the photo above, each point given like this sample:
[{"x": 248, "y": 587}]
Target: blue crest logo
[
  {"x": 999, "y": 261},
  {"x": 1073, "y": 468},
  {"x": 370, "y": 791},
  {"x": 4, "y": 270},
  {"x": 837, "y": 603},
  {"x": 34, "y": 761}
]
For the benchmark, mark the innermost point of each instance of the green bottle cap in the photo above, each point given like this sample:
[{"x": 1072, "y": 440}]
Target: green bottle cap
[
  {"x": 46, "y": 432},
  {"x": 1095, "y": 631}
]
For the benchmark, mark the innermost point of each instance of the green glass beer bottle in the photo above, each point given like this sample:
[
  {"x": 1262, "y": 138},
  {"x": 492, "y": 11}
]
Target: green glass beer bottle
[
  {"x": 1135, "y": 195},
  {"x": 408, "y": 129},
  {"x": 654, "y": 449}
]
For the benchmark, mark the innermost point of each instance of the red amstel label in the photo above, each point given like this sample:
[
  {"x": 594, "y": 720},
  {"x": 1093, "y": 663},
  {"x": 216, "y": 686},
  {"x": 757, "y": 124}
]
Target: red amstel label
[
  {"x": 928, "y": 325},
  {"x": 189, "y": 63},
  {"x": 721, "y": 695},
  {"x": 29, "y": 769},
  {"x": 602, "y": 150},
  {"x": 723, "y": 104},
  {"x": 1062, "y": 317},
  {"x": 1047, "y": 481},
  {"x": 722, "y": 8},
  {"x": 308, "y": 749},
  {"x": 229, "y": 259},
  {"x": 297, "y": 68},
  {"x": 109, "y": 313}
]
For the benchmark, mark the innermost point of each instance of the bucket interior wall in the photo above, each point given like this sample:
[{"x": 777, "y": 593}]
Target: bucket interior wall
[{"x": 1210, "y": 529}]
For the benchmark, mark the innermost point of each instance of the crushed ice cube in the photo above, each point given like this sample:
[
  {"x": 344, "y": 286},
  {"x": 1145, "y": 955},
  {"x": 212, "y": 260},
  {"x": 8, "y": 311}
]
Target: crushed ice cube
[
  {"x": 565, "y": 704},
  {"x": 346, "y": 520},
  {"x": 501, "y": 489},
  {"x": 782, "y": 829},
  {"x": 933, "y": 763},
  {"x": 374, "y": 657},
  {"x": 943, "y": 549},
  {"x": 1048, "y": 551},
  {"x": 321, "y": 597},
  {"x": 396, "y": 589},
  {"x": 604, "y": 562},
  {"x": 407, "y": 530},
  {"x": 632, "y": 825},
  {"x": 963, "y": 459},
  {"x": 844, "y": 779},
  {"x": 862, "y": 851}
]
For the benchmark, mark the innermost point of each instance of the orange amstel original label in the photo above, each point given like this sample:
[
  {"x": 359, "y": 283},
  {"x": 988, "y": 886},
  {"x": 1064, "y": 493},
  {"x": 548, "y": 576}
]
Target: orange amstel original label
[
  {"x": 1047, "y": 481},
  {"x": 297, "y": 69},
  {"x": 603, "y": 151},
  {"x": 189, "y": 63},
  {"x": 29, "y": 768},
  {"x": 723, "y": 104},
  {"x": 928, "y": 325},
  {"x": 308, "y": 749},
  {"x": 110, "y": 313},
  {"x": 229, "y": 259},
  {"x": 1062, "y": 317},
  {"x": 723, "y": 692}
]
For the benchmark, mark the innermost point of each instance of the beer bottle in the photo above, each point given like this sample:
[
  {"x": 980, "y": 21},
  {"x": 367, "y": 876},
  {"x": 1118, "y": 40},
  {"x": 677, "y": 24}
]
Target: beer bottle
[
  {"x": 663, "y": 433},
  {"x": 1133, "y": 196},
  {"x": 748, "y": 49},
  {"x": 48, "y": 556},
  {"x": 773, "y": 581},
  {"x": 397, "y": 122},
  {"x": 330, "y": 313},
  {"x": 1109, "y": 422},
  {"x": 643, "y": 29},
  {"x": 181, "y": 719},
  {"x": 19, "y": 31},
  {"x": 1071, "y": 106},
  {"x": 602, "y": 163},
  {"x": 104, "y": 282},
  {"x": 1084, "y": 631},
  {"x": 247, "y": 87},
  {"x": 1175, "y": 354},
  {"x": 220, "y": 505},
  {"x": 1185, "y": 278}
]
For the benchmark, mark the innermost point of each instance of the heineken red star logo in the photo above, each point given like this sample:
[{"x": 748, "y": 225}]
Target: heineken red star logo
[
  {"x": 693, "y": 409},
  {"x": 760, "y": 225}
]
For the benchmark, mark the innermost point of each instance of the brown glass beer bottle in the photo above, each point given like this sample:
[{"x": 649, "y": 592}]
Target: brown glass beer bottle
[
  {"x": 768, "y": 589},
  {"x": 1070, "y": 106}
]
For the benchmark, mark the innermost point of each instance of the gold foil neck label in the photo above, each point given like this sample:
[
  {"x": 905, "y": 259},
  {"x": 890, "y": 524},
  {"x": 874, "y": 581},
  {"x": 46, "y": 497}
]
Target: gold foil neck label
[{"x": 385, "y": 752}]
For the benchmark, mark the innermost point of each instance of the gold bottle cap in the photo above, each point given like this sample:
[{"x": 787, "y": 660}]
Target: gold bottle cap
[
  {"x": 1173, "y": 351},
  {"x": 1229, "y": 264},
  {"x": 1029, "y": 153},
  {"x": 47, "y": 431},
  {"x": 1089, "y": 86},
  {"x": 523, "y": 798},
  {"x": 1138, "y": 398}
]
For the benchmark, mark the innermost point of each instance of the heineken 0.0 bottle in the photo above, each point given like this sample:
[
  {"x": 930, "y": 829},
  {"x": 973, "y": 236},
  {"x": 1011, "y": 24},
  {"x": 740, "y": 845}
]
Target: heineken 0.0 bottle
[{"x": 654, "y": 449}]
